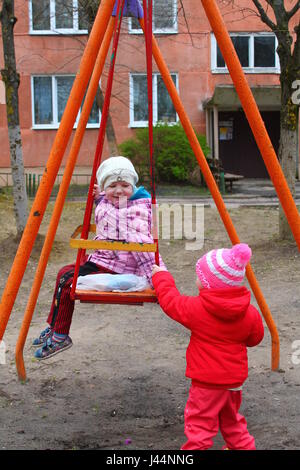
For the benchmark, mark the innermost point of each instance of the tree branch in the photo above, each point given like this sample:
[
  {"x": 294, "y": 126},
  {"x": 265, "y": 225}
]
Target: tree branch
[
  {"x": 264, "y": 15},
  {"x": 294, "y": 10},
  {"x": 186, "y": 22}
]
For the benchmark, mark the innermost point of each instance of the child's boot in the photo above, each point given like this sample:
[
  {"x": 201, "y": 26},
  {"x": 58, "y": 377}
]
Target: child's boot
[
  {"x": 54, "y": 345},
  {"x": 42, "y": 338}
]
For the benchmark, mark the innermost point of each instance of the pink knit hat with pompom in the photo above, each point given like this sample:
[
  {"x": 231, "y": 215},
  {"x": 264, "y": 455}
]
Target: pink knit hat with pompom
[{"x": 223, "y": 267}]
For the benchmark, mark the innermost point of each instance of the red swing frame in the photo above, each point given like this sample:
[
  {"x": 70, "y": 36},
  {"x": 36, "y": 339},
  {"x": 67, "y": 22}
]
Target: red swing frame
[{"x": 130, "y": 298}]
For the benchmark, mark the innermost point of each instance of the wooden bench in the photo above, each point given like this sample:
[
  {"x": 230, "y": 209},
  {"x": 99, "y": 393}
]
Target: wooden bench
[{"x": 230, "y": 179}]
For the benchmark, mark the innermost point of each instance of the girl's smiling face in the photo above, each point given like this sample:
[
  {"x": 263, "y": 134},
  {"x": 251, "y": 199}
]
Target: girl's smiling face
[{"x": 117, "y": 191}]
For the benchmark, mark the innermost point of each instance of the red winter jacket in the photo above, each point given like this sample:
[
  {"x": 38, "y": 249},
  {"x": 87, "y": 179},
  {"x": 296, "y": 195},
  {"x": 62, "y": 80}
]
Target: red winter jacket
[{"x": 222, "y": 324}]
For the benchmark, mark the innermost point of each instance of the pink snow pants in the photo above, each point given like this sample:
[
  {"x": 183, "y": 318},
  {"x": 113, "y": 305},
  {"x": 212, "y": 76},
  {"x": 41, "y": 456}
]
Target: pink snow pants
[{"x": 206, "y": 411}]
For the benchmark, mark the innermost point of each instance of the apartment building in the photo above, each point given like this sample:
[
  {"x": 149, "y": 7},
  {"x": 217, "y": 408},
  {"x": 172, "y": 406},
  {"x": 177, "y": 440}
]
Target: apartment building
[{"x": 50, "y": 36}]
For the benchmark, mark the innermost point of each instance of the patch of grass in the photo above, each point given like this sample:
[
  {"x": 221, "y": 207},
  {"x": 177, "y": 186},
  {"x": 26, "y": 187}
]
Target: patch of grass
[
  {"x": 75, "y": 191},
  {"x": 162, "y": 189},
  {"x": 6, "y": 193},
  {"x": 80, "y": 191},
  {"x": 181, "y": 190}
]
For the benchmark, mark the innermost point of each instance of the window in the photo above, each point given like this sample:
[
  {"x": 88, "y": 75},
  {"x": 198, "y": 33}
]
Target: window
[
  {"x": 49, "y": 98},
  {"x": 57, "y": 17},
  {"x": 264, "y": 51},
  {"x": 256, "y": 52},
  {"x": 163, "y": 109},
  {"x": 164, "y": 18}
]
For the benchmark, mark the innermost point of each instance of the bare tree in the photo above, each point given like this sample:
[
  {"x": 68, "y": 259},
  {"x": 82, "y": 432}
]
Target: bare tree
[
  {"x": 279, "y": 19},
  {"x": 11, "y": 81}
]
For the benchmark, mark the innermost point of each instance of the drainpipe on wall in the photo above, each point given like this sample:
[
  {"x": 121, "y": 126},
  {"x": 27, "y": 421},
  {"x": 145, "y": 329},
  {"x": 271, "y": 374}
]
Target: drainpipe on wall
[
  {"x": 207, "y": 124},
  {"x": 216, "y": 132}
]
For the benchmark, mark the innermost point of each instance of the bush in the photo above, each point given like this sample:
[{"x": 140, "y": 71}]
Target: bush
[{"x": 175, "y": 161}]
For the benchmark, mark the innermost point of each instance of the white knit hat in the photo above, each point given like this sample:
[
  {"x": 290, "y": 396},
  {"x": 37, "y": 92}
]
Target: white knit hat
[{"x": 116, "y": 169}]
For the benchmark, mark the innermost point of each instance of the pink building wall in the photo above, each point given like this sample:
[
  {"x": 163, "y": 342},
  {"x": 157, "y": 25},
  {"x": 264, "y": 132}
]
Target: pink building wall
[{"x": 48, "y": 54}]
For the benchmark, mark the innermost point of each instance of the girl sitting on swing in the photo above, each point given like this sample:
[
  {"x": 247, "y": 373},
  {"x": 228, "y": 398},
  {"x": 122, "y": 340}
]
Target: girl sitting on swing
[{"x": 123, "y": 212}]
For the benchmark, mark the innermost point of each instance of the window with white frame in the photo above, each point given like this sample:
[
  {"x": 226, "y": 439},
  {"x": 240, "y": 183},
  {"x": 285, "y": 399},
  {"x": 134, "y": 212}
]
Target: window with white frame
[
  {"x": 49, "y": 98},
  {"x": 57, "y": 17},
  {"x": 163, "y": 108},
  {"x": 256, "y": 52},
  {"x": 164, "y": 18}
]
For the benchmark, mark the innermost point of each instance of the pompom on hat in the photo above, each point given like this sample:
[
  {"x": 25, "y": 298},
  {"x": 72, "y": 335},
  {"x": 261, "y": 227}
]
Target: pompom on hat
[
  {"x": 116, "y": 169},
  {"x": 224, "y": 267}
]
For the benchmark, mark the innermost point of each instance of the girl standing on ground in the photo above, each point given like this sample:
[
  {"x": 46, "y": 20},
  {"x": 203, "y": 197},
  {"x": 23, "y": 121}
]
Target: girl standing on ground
[{"x": 222, "y": 323}]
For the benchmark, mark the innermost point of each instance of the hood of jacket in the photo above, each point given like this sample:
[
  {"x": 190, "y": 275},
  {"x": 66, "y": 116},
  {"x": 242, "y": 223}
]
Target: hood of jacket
[
  {"x": 139, "y": 193},
  {"x": 228, "y": 304}
]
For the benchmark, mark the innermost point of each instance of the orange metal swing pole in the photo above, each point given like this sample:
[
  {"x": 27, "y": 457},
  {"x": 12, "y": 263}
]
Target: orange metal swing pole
[
  {"x": 63, "y": 134},
  {"x": 253, "y": 115},
  {"x": 211, "y": 183},
  {"x": 60, "y": 199}
]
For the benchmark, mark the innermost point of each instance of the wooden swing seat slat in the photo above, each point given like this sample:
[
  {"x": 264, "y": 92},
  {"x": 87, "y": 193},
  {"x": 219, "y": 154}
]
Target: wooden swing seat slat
[
  {"x": 122, "y": 298},
  {"x": 113, "y": 245},
  {"x": 100, "y": 297}
]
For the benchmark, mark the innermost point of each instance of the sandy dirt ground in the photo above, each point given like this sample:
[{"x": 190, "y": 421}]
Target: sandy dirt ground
[{"x": 122, "y": 385}]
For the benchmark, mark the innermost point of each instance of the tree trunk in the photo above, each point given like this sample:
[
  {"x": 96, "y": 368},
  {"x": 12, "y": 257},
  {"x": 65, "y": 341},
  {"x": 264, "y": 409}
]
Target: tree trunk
[
  {"x": 287, "y": 154},
  {"x": 11, "y": 80},
  {"x": 288, "y": 147},
  {"x": 289, "y": 56}
]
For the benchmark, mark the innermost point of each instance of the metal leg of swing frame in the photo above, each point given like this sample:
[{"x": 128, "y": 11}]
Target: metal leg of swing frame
[
  {"x": 186, "y": 124},
  {"x": 69, "y": 168}
]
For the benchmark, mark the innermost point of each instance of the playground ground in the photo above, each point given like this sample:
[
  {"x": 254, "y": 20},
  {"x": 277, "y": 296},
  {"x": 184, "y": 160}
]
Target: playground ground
[{"x": 122, "y": 384}]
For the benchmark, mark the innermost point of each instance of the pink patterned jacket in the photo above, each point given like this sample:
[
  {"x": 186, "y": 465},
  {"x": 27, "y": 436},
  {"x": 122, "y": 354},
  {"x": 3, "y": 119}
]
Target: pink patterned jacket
[{"x": 131, "y": 222}]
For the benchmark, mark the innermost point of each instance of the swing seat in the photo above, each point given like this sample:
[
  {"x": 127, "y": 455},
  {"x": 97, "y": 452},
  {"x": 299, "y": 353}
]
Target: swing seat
[
  {"x": 101, "y": 297},
  {"x": 121, "y": 298},
  {"x": 129, "y": 298}
]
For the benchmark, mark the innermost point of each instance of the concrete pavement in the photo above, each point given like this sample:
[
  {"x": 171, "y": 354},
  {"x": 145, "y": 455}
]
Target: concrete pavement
[{"x": 247, "y": 192}]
